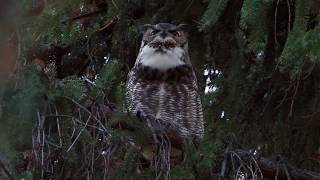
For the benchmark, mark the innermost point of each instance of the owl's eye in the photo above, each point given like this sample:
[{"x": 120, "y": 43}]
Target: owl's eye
[
  {"x": 176, "y": 33},
  {"x": 154, "y": 32}
]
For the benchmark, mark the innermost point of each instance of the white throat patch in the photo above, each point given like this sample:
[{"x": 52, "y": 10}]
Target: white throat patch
[{"x": 167, "y": 59}]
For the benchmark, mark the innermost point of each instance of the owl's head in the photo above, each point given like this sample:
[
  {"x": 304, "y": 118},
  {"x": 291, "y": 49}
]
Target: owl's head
[{"x": 163, "y": 46}]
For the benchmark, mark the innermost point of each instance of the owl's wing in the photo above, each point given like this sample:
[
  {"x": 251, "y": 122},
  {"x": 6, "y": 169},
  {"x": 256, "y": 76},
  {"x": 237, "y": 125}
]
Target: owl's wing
[
  {"x": 130, "y": 92},
  {"x": 194, "y": 80},
  {"x": 141, "y": 96},
  {"x": 195, "y": 111}
]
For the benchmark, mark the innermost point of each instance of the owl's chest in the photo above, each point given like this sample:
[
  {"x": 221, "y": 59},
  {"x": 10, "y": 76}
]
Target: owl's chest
[
  {"x": 181, "y": 74},
  {"x": 159, "y": 89}
]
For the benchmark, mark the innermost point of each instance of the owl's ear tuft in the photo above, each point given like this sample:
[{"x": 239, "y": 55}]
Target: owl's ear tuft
[
  {"x": 142, "y": 28},
  {"x": 184, "y": 27}
]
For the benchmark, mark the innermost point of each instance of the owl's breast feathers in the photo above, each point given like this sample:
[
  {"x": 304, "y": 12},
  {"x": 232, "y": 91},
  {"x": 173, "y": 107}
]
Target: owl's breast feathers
[
  {"x": 181, "y": 74},
  {"x": 168, "y": 96}
]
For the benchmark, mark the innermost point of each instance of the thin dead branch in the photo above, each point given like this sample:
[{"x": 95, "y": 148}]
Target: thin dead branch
[
  {"x": 85, "y": 15},
  {"x": 252, "y": 167},
  {"x": 84, "y": 127},
  {"x": 224, "y": 163},
  {"x": 294, "y": 97},
  {"x": 6, "y": 171}
]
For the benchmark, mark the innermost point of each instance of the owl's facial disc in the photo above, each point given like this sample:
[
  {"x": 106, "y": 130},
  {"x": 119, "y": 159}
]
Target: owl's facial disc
[
  {"x": 164, "y": 46},
  {"x": 161, "y": 55}
]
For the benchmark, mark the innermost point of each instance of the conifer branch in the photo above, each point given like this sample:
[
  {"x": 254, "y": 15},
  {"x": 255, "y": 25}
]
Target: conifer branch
[{"x": 86, "y": 15}]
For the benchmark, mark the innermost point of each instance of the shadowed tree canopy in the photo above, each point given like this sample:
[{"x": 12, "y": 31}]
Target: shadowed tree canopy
[{"x": 64, "y": 66}]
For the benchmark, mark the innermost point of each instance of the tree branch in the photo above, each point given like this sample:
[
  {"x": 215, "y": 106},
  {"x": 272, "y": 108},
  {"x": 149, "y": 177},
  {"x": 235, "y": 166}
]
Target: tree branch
[
  {"x": 2, "y": 166},
  {"x": 271, "y": 169},
  {"x": 85, "y": 15}
]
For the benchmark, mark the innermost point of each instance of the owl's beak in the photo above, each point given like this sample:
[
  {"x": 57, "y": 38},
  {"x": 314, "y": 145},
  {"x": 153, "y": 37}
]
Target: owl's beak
[{"x": 163, "y": 34}]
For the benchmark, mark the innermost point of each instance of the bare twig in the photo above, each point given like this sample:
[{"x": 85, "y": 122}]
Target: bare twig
[
  {"x": 106, "y": 166},
  {"x": 107, "y": 154},
  {"x": 224, "y": 163},
  {"x": 294, "y": 97},
  {"x": 58, "y": 125},
  {"x": 42, "y": 154},
  {"x": 275, "y": 22},
  {"x": 88, "y": 125},
  {"x": 247, "y": 163},
  {"x": 286, "y": 171},
  {"x": 110, "y": 24},
  {"x": 289, "y": 15},
  {"x": 2, "y": 166},
  {"x": 284, "y": 97},
  {"x": 277, "y": 172},
  {"x": 85, "y": 109},
  {"x": 40, "y": 142},
  {"x": 85, "y": 15},
  {"x": 262, "y": 168},
  {"x": 309, "y": 71},
  {"x": 115, "y": 5},
  {"x": 83, "y": 128},
  {"x": 162, "y": 160},
  {"x": 92, "y": 158}
]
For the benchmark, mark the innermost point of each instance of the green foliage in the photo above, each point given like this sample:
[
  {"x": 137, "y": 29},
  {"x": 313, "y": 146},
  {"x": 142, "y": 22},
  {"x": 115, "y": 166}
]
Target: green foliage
[
  {"x": 29, "y": 89},
  {"x": 72, "y": 87},
  {"x": 254, "y": 21},
  {"x": 249, "y": 12},
  {"x": 212, "y": 14},
  {"x": 54, "y": 24},
  {"x": 26, "y": 176},
  {"x": 301, "y": 10},
  {"x": 302, "y": 45},
  {"x": 179, "y": 173},
  {"x": 108, "y": 75},
  {"x": 20, "y": 102},
  {"x": 130, "y": 165}
]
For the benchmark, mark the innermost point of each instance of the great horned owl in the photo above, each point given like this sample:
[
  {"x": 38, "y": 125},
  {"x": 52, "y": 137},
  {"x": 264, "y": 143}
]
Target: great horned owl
[{"x": 162, "y": 85}]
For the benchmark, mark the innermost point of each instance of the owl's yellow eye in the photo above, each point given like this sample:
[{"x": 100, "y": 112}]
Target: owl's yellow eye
[
  {"x": 154, "y": 32},
  {"x": 176, "y": 33}
]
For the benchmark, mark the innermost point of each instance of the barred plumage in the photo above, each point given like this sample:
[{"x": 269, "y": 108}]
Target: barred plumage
[{"x": 162, "y": 85}]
